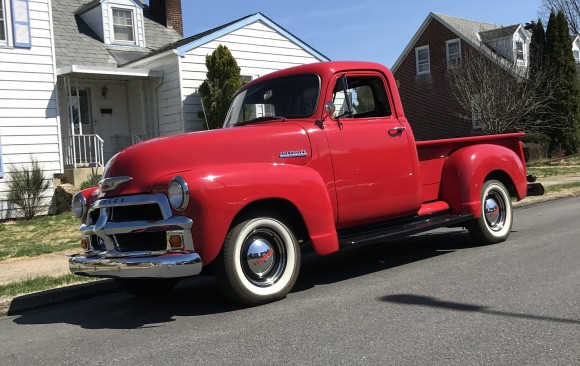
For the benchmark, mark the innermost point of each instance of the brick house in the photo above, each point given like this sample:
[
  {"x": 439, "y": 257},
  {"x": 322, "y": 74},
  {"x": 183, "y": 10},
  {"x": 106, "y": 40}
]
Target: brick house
[{"x": 422, "y": 70}]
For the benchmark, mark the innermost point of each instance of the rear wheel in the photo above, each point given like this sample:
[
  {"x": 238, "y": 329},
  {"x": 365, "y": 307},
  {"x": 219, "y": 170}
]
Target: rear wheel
[
  {"x": 495, "y": 223},
  {"x": 260, "y": 260}
]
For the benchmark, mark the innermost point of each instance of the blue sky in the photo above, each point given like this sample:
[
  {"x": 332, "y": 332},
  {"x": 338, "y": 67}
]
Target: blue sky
[{"x": 369, "y": 30}]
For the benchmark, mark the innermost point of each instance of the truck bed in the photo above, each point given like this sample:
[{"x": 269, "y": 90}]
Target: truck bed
[{"x": 434, "y": 153}]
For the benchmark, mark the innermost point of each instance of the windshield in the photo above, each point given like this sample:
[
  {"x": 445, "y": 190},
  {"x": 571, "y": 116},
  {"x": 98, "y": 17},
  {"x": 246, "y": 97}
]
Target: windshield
[{"x": 289, "y": 97}]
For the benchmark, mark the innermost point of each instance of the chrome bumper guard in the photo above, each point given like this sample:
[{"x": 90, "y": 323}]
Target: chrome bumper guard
[
  {"x": 164, "y": 266},
  {"x": 136, "y": 264}
]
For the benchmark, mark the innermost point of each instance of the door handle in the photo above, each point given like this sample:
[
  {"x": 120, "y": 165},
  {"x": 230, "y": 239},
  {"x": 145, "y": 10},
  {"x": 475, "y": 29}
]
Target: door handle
[{"x": 395, "y": 131}]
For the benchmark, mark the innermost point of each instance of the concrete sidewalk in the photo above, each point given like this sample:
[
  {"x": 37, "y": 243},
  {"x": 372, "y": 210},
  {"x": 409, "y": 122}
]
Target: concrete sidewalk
[{"x": 56, "y": 264}]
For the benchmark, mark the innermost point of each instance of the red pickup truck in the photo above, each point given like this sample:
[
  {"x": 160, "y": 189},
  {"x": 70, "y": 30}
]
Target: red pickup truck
[{"x": 318, "y": 155}]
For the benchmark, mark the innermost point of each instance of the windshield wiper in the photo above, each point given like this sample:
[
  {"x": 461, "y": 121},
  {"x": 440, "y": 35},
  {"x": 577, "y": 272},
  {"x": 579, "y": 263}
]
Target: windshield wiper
[{"x": 260, "y": 119}]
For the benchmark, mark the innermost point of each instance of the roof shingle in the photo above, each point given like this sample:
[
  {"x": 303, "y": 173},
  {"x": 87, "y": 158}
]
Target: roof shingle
[{"x": 77, "y": 44}]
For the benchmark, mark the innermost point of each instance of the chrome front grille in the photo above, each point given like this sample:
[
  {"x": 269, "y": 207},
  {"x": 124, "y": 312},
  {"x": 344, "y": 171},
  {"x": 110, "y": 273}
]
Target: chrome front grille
[
  {"x": 133, "y": 224},
  {"x": 134, "y": 242}
]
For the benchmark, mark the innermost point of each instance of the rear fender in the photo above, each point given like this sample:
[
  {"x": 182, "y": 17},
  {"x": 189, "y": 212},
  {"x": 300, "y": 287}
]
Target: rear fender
[
  {"x": 219, "y": 193},
  {"x": 466, "y": 170}
]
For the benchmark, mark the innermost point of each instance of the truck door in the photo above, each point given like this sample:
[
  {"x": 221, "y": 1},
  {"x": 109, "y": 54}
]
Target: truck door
[{"x": 370, "y": 151}]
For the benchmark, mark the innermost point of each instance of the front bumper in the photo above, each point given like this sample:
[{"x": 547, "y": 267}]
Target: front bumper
[
  {"x": 164, "y": 266},
  {"x": 129, "y": 237}
]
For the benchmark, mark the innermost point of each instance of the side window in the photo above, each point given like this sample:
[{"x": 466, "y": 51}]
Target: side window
[
  {"x": 360, "y": 97},
  {"x": 15, "y": 24},
  {"x": 423, "y": 60}
]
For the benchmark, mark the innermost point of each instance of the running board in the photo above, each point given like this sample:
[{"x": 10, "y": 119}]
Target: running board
[{"x": 387, "y": 231}]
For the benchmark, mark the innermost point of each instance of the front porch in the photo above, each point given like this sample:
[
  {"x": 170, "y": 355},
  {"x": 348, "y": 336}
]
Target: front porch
[{"x": 103, "y": 110}]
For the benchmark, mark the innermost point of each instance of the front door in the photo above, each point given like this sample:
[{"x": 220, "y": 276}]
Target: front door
[
  {"x": 371, "y": 157},
  {"x": 81, "y": 111}
]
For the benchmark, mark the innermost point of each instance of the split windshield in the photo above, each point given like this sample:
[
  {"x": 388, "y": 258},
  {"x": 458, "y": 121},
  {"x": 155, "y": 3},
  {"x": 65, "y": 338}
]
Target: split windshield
[{"x": 282, "y": 98}]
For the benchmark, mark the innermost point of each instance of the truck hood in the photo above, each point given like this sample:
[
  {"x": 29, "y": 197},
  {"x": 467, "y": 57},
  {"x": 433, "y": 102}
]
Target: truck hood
[{"x": 146, "y": 162}]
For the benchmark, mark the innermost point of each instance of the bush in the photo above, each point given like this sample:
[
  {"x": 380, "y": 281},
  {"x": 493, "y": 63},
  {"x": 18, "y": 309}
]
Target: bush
[
  {"x": 92, "y": 180},
  {"x": 536, "y": 138},
  {"x": 537, "y": 145},
  {"x": 26, "y": 188}
]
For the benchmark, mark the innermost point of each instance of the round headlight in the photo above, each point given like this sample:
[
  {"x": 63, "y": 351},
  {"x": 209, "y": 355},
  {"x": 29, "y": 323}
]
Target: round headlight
[
  {"x": 178, "y": 193},
  {"x": 79, "y": 205}
]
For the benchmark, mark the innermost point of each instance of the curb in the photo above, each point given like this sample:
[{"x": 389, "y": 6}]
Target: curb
[{"x": 60, "y": 295}]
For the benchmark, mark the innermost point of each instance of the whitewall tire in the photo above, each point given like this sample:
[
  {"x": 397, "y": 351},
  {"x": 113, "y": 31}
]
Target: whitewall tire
[
  {"x": 495, "y": 223},
  {"x": 260, "y": 260}
]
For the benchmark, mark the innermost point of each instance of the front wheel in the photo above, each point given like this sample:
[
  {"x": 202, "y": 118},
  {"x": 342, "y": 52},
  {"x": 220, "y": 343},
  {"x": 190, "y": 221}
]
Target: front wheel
[
  {"x": 495, "y": 223},
  {"x": 260, "y": 260}
]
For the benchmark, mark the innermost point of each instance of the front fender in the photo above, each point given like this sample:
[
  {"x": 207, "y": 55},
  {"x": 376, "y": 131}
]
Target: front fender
[
  {"x": 218, "y": 193},
  {"x": 466, "y": 169}
]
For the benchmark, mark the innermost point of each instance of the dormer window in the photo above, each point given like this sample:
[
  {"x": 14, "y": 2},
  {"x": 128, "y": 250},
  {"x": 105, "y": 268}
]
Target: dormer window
[
  {"x": 123, "y": 25},
  {"x": 520, "y": 52},
  {"x": 116, "y": 22}
]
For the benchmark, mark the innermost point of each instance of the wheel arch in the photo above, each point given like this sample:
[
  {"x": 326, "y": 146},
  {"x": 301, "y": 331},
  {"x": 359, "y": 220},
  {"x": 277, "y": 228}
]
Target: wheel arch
[
  {"x": 468, "y": 168},
  {"x": 505, "y": 179},
  {"x": 283, "y": 207},
  {"x": 219, "y": 194}
]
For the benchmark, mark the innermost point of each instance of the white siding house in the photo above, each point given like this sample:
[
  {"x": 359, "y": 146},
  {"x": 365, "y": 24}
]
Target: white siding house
[
  {"x": 29, "y": 123},
  {"x": 259, "y": 46},
  {"x": 106, "y": 74}
]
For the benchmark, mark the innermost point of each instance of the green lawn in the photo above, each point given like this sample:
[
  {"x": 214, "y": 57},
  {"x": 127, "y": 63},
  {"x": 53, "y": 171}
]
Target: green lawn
[
  {"x": 41, "y": 235},
  {"x": 40, "y": 284}
]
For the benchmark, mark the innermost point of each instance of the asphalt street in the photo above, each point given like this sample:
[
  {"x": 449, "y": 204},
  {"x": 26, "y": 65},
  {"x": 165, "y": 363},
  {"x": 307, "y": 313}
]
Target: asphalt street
[{"x": 432, "y": 299}]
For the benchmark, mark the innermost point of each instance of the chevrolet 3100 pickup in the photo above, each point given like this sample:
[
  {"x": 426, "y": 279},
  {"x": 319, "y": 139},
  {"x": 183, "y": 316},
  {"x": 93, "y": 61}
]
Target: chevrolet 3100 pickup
[{"x": 319, "y": 155}]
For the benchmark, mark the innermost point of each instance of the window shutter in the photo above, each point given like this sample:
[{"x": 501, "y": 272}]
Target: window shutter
[{"x": 21, "y": 24}]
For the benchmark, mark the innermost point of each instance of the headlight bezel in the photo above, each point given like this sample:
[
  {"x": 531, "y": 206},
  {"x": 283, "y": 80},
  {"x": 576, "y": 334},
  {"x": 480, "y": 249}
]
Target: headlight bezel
[
  {"x": 179, "y": 184},
  {"x": 79, "y": 199}
]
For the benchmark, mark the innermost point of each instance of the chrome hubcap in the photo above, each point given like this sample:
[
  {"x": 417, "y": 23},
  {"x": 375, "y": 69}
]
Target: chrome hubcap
[
  {"x": 494, "y": 211},
  {"x": 260, "y": 257},
  {"x": 263, "y": 257}
]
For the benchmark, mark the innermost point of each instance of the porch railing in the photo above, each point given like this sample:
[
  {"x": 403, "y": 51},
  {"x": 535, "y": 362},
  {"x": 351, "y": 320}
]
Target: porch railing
[{"x": 83, "y": 151}]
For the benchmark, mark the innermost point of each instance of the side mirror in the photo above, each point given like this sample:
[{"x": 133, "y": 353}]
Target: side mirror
[{"x": 329, "y": 108}]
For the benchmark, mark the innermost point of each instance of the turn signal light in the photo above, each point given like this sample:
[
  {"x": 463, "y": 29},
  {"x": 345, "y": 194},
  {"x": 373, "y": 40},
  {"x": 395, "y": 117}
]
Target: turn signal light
[
  {"x": 85, "y": 243},
  {"x": 175, "y": 242}
]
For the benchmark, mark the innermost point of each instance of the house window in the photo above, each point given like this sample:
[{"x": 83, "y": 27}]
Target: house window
[
  {"x": 520, "y": 51},
  {"x": 123, "y": 25},
  {"x": 476, "y": 111},
  {"x": 422, "y": 57},
  {"x": 453, "y": 48},
  {"x": 3, "y": 31},
  {"x": 245, "y": 79},
  {"x": 577, "y": 56}
]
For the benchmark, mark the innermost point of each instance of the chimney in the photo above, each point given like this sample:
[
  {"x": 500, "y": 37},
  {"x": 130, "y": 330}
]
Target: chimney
[{"x": 168, "y": 12}]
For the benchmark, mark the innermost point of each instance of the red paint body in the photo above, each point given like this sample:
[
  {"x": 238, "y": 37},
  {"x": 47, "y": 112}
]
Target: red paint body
[{"x": 354, "y": 172}]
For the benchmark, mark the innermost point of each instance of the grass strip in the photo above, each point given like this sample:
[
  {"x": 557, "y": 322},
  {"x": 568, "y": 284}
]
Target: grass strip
[
  {"x": 550, "y": 171},
  {"x": 41, "y": 235},
  {"x": 562, "y": 187},
  {"x": 40, "y": 284}
]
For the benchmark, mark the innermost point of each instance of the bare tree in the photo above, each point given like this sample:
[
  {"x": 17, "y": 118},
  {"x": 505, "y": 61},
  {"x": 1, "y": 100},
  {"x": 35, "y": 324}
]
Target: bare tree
[
  {"x": 499, "y": 95},
  {"x": 571, "y": 9}
]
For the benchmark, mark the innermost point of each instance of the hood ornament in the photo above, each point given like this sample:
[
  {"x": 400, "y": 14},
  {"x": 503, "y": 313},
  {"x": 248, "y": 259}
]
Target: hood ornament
[{"x": 109, "y": 184}]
